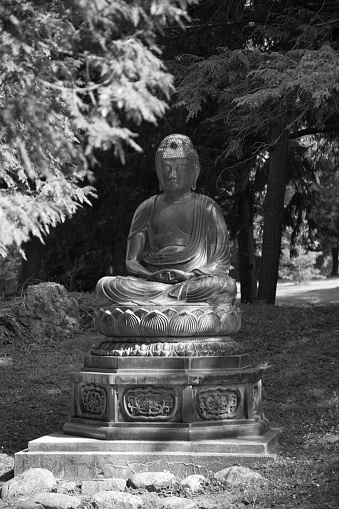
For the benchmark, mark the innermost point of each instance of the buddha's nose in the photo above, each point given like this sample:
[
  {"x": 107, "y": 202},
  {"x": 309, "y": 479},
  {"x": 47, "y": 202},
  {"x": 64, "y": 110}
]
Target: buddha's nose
[{"x": 173, "y": 172}]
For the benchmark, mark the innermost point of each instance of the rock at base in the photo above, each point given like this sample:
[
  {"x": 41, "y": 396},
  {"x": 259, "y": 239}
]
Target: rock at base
[
  {"x": 116, "y": 500},
  {"x": 30, "y": 482},
  {"x": 177, "y": 503},
  {"x": 236, "y": 475},
  {"x": 57, "y": 501},
  {"x": 194, "y": 482},
  {"x": 152, "y": 481},
  {"x": 50, "y": 311}
]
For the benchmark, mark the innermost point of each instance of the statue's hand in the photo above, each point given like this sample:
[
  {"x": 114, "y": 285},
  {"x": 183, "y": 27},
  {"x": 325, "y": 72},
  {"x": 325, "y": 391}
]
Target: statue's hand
[{"x": 170, "y": 276}]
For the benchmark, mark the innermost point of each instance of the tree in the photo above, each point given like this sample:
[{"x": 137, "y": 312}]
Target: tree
[
  {"x": 75, "y": 76},
  {"x": 281, "y": 84},
  {"x": 297, "y": 263},
  {"x": 325, "y": 214}
]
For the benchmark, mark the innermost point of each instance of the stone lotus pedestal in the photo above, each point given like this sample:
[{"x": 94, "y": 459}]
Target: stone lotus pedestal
[
  {"x": 167, "y": 389},
  {"x": 171, "y": 373}
]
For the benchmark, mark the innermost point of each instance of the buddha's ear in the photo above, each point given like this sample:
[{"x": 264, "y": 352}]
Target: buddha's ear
[{"x": 160, "y": 187}]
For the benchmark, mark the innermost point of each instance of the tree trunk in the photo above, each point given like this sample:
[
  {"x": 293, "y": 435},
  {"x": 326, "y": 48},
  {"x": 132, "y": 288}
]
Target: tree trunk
[
  {"x": 246, "y": 251},
  {"x": 274, "y": 207},
  {"x": 335, "y": 254},
  {"x": 30, "y": 268}
]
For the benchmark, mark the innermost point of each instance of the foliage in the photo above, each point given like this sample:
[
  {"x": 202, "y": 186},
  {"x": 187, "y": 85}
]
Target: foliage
[
  {"x": 254, "y": 88},
  {"x": 74, "y": 77},
  {"x": 300, "y": 266},
  {"x": 326, "y": 212},
  {"x": 279, "y": 78},
  {"x": 92, "y": 243},
  {"x": 9, "y": 270}
]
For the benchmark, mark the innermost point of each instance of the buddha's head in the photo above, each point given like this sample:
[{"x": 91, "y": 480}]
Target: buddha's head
[{"x": 177, "y": 164}]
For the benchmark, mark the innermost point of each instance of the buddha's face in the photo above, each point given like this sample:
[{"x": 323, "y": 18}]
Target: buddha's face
[{"x": 176, "y": 175}]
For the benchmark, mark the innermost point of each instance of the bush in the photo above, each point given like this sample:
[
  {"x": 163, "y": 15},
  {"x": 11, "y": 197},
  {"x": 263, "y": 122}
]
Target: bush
[{"x": 300, "y": 266}]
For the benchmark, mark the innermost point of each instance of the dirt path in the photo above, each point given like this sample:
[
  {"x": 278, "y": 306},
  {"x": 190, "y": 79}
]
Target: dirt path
[{"x": 321, "y": 291}]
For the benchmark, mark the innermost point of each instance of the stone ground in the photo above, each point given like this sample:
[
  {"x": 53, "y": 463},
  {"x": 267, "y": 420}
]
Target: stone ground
[{"x": 37, "y": 488}]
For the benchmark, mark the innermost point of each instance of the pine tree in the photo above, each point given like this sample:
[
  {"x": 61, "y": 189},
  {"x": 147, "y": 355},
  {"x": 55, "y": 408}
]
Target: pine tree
[
  {"x": 75, "y": 76},
  {"x": 282, "y": 82}
]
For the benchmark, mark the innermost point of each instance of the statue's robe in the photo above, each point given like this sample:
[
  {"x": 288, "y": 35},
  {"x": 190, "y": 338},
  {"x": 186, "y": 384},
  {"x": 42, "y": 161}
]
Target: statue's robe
[{"x": 207, "y": 255}]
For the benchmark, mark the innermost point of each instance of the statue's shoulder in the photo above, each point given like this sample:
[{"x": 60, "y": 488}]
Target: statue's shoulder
[
  {"x": 146, "y": 205},
  {"x": 206, "y": 202},
  {"x": 142, "y": 216}
]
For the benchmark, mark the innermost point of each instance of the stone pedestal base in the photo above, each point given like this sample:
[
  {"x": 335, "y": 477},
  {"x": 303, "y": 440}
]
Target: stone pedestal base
[
  {"x": 77, "y": 459},
  {"x": 167, "y": 398}
]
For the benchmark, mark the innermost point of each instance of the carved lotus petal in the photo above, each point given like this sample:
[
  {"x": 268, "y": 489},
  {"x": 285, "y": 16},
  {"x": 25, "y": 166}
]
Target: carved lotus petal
[
  {"x": 190, "y": 349},
  {"x": 180, "y": 349},
  {"x": 209, "y": 323},
  {"x": 135, "y": 349},
  {"x": 123, "y": 349},
  {"x": 108, "y": 324},
  {"x": 119, "y": 353},
  {"x": 154, "y": 323},
  {"x": 161, "y": 350},
  {"x": 230, "y": 323},
  {"x": 97, "y": 321},
  {"x": 142, "y": 351},
  {"x": 140, "y": 313},
  {"x": 157, "y": 350},
  {"x": 166, "y": 349},
  {"x": 221, "y": 311},
  {"x": 182, "y": 324},
  {"x": 129, "y": 324},
  {"x": 197, "y": 312},
  {"x": 169, "y": 312}
]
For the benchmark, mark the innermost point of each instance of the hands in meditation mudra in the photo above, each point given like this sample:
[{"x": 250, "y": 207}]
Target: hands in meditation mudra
[{"x": 178, "y": 247}]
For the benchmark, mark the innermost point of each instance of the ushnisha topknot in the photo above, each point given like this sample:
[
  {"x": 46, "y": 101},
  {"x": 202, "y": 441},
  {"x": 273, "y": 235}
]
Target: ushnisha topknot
[{"x": 175, "y": 146}]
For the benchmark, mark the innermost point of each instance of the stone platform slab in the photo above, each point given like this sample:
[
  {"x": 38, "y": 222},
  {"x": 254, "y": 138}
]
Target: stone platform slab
[{"x": 78, "y": 458}]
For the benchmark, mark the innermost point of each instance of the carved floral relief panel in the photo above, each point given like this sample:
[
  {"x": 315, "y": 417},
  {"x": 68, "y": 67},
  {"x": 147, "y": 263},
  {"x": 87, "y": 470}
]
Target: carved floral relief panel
[
  {"x": 216, "y": 403},
  {"x": 93, "y": 400},
  {"x": 149, "y": 403}
]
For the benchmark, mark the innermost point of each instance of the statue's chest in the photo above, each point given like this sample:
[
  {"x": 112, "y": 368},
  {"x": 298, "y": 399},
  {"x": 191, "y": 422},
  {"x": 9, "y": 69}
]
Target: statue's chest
[{"x": 171, "y": 225}]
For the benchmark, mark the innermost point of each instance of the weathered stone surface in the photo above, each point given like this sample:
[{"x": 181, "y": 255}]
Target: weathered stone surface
[
  {"x": 33, "y": 480},
  {"x": 66, "y": 487},
  {"x": 57, "y": 501},
  {"x": 194, "y": 482},
  {"x": 177, "y": 503},
  {"x": 237, "y": 475},
  {"x": 108, "y": 470},
  {"x": 27, "y": 504},
  {"x": 152, "y": 481},
  {"x": 50, "y": 311},
  {"x": 116, "y": 500},
  {"x": 93, "y": 487}
]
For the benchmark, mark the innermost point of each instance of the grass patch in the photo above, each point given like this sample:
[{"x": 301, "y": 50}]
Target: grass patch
[{"x": 299, "y": 346}]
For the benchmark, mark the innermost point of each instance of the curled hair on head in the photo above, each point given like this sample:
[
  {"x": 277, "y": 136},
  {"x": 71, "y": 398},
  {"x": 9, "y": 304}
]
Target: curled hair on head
[{"x": 175, "y": 146}]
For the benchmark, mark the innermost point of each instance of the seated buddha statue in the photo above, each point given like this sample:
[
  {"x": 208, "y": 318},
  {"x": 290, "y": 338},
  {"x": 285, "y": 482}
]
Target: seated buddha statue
[{"x": 178, "y": 248}]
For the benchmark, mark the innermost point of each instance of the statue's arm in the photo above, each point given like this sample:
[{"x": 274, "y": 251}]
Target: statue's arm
[
  {"x": 218, "y": 244},
  {"x": 135, "y": 250}
]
